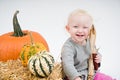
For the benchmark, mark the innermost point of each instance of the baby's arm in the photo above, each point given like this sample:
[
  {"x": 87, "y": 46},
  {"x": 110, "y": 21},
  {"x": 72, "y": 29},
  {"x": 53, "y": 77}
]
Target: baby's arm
[{"x": 67, "y": 55}]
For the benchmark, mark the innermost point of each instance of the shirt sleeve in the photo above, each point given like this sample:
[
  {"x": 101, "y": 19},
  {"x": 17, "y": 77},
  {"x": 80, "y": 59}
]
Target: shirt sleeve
[{"x": 67, "y": 55}]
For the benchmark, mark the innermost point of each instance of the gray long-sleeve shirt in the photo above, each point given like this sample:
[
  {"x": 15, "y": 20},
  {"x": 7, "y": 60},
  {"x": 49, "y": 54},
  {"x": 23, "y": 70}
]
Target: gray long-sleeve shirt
[{"x": 75, "y": 59}]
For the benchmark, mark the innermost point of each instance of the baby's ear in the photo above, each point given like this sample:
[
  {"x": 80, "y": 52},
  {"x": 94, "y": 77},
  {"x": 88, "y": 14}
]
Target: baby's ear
[{"x": 67, "y": 27}]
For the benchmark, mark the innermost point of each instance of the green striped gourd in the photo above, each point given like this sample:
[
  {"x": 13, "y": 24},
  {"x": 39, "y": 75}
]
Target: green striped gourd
[{"x": 41, "y": 64}]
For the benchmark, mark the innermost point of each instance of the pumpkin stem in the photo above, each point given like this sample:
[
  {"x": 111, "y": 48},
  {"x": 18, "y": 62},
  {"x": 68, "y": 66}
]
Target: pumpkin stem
[
  {"x": 17, "y": 30},
  {"x": 31, "y": 38}
]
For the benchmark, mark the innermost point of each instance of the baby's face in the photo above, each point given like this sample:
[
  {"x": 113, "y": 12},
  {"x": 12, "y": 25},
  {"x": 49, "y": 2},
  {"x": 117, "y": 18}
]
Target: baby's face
[{"x": 79, "y": 26}]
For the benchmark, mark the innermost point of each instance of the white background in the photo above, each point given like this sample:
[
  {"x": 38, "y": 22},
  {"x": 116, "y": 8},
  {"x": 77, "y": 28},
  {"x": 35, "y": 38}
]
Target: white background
[{"x": 49, "y": 17}]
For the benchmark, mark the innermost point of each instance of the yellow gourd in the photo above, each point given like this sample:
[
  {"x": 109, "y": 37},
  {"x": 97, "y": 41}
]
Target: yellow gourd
[{"x": 30, "y": 49}]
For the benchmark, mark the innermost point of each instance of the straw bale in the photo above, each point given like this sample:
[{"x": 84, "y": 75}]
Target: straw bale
[{"x": 13, "y": 70}]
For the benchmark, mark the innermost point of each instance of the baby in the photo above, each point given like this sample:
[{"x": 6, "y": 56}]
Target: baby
[{"x": 76, "y": 50}]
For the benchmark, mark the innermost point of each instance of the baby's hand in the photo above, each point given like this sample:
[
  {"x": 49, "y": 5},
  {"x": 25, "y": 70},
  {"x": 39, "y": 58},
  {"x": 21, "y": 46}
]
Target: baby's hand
[
  {"x": 98, "y": 58},
  {"x": 77, "y": 78}
]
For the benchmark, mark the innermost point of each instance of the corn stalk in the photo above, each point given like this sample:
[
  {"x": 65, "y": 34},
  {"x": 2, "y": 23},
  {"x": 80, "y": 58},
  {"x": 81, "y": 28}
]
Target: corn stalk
[{"x": 92, "y": 38}]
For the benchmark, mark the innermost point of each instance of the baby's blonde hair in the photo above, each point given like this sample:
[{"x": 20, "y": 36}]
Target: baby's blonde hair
[{"x": 79, "y": 12}]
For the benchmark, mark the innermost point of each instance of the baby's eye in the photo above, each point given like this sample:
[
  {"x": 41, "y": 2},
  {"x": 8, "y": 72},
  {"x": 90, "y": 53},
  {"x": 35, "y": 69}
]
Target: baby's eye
[
  {"x": 85, "y": 27},
  {"x": 75, "y": 26}
]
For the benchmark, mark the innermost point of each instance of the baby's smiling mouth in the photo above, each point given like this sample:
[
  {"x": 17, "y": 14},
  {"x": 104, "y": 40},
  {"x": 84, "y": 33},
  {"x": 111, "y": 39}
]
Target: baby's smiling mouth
[{"x": 79, "y": 35}]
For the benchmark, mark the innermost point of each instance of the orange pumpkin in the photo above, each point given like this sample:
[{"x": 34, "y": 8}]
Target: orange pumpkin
[{"x": 11, "y": 43}]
